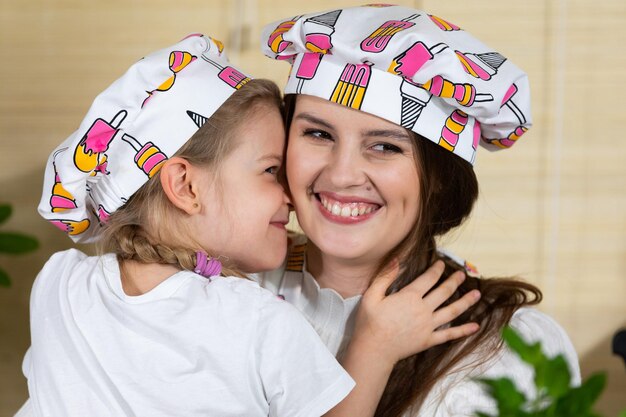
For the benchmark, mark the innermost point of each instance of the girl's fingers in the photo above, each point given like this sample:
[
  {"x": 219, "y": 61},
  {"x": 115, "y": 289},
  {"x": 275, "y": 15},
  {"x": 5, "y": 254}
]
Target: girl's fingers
[
  {"x": 383, "y": 281},
  {"x": 448, "y": 313},
  {"x": 427, "y": 280},
  {"x": 442, "y": 293}
]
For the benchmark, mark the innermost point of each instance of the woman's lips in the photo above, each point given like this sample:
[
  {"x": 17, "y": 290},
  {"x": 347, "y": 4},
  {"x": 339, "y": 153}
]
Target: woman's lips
[{"x": 346, "y": 210}]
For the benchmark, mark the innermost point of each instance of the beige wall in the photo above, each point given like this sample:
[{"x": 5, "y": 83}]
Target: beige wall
[{"x": 553, "y": 210}]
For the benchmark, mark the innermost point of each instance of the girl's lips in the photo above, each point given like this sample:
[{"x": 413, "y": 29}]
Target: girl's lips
[{"x": 281, "y": 224}]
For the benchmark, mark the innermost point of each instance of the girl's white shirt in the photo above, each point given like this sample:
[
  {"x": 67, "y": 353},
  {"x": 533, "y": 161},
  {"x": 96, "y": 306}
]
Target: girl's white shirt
[
  {"x": 189, "y": 347},
  {"x": 457, "y": 394}
]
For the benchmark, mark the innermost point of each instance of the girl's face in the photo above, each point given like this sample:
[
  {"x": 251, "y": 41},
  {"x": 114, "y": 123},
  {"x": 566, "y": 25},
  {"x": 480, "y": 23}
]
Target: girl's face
[
  {"x": 245, "y": 209},
  {"x": 353, "y": 179}
]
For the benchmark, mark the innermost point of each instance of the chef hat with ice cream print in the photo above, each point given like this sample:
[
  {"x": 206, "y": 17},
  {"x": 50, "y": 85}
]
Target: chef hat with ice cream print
[
  {"x": 130, "y": 131},
  {"x": 406, "y": 66}
]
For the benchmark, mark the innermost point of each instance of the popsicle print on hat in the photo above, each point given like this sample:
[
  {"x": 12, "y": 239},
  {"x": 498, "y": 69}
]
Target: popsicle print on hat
[
  {"x": 124, "y": 139},
  {"x": 412, "y": 68}
]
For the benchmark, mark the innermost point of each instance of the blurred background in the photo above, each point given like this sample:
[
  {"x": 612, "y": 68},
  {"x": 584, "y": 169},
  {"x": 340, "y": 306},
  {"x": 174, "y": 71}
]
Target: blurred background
[{"x": 552, "y": 210}]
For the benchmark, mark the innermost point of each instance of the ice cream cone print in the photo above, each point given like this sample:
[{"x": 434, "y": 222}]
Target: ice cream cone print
[
  {"x": 510, "y": 104},
  {"x": 177, "y": 61},
  {"x": 71, "y": 227},
  {"x": 89, "y": 155},
  {"x": 414, "y": 99},
  {"x": 378, "y": 40},
  {"x": 411, "y": 60},
  {"x": 455, "y": 124},
  {"x": 198, "y": 119},
  {"x": 319, "y": 30},
  {"x": 276, "y": 41},
  {"x": 443, "y": 24},
  {"x": 60, "y": 199},
  {"x": 464, "y": 94},
  {"x": 149, "y": 158},
  {"x": 220, "y": 45},
  {"x": 483, "y": 66},
  {"x": 352, "y": 85}
]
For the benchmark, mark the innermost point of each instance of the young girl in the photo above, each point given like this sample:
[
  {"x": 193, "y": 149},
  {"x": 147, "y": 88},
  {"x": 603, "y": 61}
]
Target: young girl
[{"x": 174, "y": 173}]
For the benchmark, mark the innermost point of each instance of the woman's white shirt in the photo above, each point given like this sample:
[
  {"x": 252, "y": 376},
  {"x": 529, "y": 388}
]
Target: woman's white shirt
[{"x": 457, "y": 394}]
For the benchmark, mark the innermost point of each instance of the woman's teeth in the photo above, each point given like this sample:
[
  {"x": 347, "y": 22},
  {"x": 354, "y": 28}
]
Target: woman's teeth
[{"x": 347, "y": 209}]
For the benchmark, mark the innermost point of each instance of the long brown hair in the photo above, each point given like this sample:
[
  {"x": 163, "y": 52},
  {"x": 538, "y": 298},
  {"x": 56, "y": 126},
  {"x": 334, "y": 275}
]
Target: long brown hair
[
  {"x": 448, "y": 191},
  {"x": 149, "y": 228}
]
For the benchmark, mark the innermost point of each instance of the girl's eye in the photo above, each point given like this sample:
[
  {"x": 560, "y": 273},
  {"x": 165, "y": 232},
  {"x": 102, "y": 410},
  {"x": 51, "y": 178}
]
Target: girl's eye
[
  {"x": 387, "y": 148},
  {"x": 317, "y": 133},
  {"x": 273, "y": 170}
]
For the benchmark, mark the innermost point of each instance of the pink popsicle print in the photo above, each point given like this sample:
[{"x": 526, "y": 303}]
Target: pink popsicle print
[
  {"x": 464, "y": 94},
  {"x": 411, "y": 60},
  {"x": 89, "y": 153},
  {"x": 351, "y": 87},
  {"x": 149, "y": 157},
  {"x": 378, "y": 40},
  {"x": 508, "y": 102}
]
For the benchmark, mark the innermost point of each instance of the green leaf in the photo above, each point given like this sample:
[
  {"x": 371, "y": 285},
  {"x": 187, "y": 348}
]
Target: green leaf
[
  {"x": 5, "y": 281},
  {"x": 579, "y": 400},
  {"x": 622, "y": 414},
  {"x": 529, "y": 353},
  {"x": 553, "y": 375},
  {"x": 5, "y": 212},
  {"x": 17, "y": 243},
  {"x": 504, "y": 391}
]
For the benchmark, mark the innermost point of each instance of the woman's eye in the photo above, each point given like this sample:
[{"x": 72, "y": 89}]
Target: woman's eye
[
  {"x": 318, "y": 134},
  {"x": 386, "y": 148}
]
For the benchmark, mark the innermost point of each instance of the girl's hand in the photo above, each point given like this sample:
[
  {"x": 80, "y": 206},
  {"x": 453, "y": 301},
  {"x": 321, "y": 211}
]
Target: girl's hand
[{"x": 409, "y": 321}]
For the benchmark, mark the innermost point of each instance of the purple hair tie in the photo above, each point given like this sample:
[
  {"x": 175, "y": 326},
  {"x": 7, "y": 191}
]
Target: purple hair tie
[{"x": 207, "y": 267}]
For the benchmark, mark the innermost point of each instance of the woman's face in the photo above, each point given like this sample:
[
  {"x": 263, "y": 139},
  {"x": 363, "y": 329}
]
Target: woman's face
[{"x": 353, "y": 180}]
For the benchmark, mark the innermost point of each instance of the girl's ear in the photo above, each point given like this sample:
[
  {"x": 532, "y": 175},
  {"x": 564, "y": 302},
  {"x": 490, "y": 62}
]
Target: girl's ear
[{"x": 179, "y": 180}]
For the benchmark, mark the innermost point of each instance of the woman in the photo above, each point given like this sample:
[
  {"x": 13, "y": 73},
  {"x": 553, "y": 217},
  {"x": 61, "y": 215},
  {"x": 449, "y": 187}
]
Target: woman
[{"x": 386, "y": 106}]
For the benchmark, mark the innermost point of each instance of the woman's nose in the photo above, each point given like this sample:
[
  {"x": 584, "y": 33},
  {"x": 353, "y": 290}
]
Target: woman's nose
[{"x": 345, "y": 168}]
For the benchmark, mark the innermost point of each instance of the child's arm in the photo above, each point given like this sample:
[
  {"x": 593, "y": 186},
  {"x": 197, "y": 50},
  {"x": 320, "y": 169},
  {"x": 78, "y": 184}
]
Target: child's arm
[{"x": 391, "y": 328}]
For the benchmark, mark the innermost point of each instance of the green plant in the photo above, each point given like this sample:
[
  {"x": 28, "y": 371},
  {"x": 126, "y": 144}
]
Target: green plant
[
  {"x": 13, "y": 243},
  {"x": 555, "y": 396}
]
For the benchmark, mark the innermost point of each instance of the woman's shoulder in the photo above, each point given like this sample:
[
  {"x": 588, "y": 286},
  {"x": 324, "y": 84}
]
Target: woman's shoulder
[
  {"x": 460, "y": 394},
  {"x": 535, "y": 326}
]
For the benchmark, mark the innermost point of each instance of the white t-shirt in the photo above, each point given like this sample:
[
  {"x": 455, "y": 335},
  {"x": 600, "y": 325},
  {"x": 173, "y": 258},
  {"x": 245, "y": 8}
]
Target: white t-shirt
[
  {"x": 455, "y": 395},
  {"x": 189, "y": 347}
]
